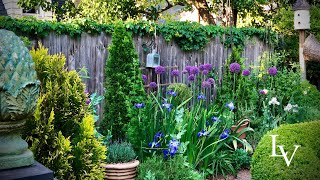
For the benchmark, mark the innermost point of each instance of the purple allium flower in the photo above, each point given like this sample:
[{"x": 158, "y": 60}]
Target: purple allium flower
[
  {"x": 225, "y": 134},
  {"x": 230, "y": 106},
  {"x": 210, "y": 80},
  {"x": 215, "y": 119},
  {"x": 191, "y": 77},
  {"x": 139, "y": 105},
  {"x": 88, "y": 101},
  {"x": 263, "y": 91},
  {"x": 167, "y": 106},
  {"x": 205, "y": 72},
  {"x": 201, "y": 96},
  {"x": 165, "y": 153},
  {"x": 184, "y": 71},
  {"x": 273, "y": 71},
  {"x": 175, "y": 73},
  {"x": 246, "y": 72},
  {"x": 234, "y": 67},
  {"x": 208, "y": 67},
  {"x": 201, "y": 67},
  {"x": 144, "y": 77},
  {"x": 153, "y": 85},
  {"x": 160, "y": 70},
  {"x": 188, "y": 68},
  {"x": 206, "y": 84},
  {"x": 194, "y": 70},
  {"x": 172, "y": 93}
]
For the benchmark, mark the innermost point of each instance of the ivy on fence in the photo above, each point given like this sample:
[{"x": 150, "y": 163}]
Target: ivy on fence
[{"x": 188, "y": 35}]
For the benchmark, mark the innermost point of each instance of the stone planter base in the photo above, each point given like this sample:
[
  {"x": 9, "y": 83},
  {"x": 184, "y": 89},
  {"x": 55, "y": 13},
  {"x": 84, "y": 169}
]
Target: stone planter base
[{"x": 121, "y": 171}]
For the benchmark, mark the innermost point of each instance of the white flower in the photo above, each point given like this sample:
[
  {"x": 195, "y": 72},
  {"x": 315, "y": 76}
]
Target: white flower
[
  {"x": 305, "y": 92},
  {"x": 274, "y": 101},
  {"x": 288, "y": 107}
]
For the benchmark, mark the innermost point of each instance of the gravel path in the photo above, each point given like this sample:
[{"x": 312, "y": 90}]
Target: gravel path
[{"x": 243, "y": 174}]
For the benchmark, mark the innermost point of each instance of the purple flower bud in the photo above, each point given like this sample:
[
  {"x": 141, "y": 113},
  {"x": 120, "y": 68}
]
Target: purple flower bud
[
  {"x": 153, "y": 85},
  {"x": 160, "y": 70},
  {"x": 272, "y": 71},
  {"x": 88, "y": 101},
  {"x": 144, "y": 77},
  {"x": 206, "y": 84},
  {"x": 210, "y": 80},
  {"x": 175, "y": 73},
  {"x": 246, "y": 72},
  {"x": 208, "y": 67},
  {"x": 191, "y": 77},
  {"x": 234, "y": 67}
]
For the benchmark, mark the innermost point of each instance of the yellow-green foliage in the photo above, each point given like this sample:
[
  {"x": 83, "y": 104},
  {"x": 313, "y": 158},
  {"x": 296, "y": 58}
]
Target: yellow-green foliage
[
  {"x": 182, "y": 90},
  {"x": 88, "y": 152},
  {"x": 306, "y": 161},
  {"x": 62, "y": 132}
]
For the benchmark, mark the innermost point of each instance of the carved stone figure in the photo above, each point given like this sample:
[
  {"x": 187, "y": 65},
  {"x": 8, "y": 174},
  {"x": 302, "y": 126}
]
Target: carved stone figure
[{"x": 19, "y": 90}]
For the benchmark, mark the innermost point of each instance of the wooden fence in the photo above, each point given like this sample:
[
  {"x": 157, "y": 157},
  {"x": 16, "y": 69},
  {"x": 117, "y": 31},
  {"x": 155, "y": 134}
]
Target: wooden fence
[{"x": 91, "y": 52}]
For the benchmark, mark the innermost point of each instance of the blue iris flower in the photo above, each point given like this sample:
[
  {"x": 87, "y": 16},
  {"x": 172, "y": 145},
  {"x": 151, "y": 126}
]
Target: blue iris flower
[
  {"x": 201, "y": 96},
  {"x": 139, "y": 105},
  {"x": 215, "y": 119},
  {"x": 225, "y": 134},
  {"x": 167, "y": 106},
  {"x": 230, "y": 106},
  {"x": 172, "y": 93}
]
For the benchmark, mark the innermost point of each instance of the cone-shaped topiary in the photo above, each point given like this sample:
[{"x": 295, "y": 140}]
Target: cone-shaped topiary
[{"x": 123, "y": 83}]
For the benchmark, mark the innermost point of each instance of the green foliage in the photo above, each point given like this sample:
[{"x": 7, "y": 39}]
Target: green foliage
[
  {"x": 182, "y": 90},
  {"x": 189, "y": 36},
  {"x": 173, "y": 168},
  {"x": 123, "y": 84},
  {"x": 240, "y": 159},
  {"x": 305, "y": 163},
  {"x": 120, "y": 153},
  {"x": 62, "y": 133},
  {"x": 88, "y": 152}
]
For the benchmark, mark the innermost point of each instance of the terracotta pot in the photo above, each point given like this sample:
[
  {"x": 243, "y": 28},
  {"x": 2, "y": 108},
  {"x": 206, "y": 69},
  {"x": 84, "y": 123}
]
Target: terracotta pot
[
  {"x": 121, "y": 171},
  {"x": 243, "y": 125}
]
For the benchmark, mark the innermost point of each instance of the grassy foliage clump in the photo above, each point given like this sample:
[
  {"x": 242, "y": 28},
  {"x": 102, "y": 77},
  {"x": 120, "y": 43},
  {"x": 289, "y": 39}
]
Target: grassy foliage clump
[{"x": 120, "y": 153}]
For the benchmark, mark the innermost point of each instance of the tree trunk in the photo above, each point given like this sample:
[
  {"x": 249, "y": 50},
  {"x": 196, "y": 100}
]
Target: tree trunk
[
  {"x": 234, "y": 17},
  {"x": 204, "y": 12}
]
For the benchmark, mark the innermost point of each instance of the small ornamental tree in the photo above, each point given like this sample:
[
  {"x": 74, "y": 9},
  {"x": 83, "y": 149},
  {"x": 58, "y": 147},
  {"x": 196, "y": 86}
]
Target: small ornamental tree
[{"x": 123, "y": 84}]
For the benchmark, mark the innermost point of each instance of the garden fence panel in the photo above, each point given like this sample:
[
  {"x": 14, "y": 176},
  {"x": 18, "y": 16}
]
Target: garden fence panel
[{"x": 91, "y": 52}]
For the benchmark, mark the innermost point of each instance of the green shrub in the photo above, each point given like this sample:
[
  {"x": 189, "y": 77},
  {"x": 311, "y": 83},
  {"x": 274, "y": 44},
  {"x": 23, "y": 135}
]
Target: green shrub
[
  {"x": 61, "y": 134},
  {"x": 123, "y": 83},
  {"x": 306, "y": 161},
  {"x": 167, "y": 169},
  {"x": 240, "y": 159},
  {"x": 182, "y": 90},
  {"x": 120, "y": 153}
]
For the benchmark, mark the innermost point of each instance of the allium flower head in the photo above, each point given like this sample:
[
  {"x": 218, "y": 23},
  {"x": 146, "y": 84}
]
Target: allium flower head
[
  {"x": 160, "y": 70},
  {"x": 175, "y": 73},
  {"x": 206, "y": 84},
  {"x": 153, "y": 85},
  {"x": 246, "y": 72},
  {"x": 201, "y": 96},
  {"x": 234, "y": 67},
  {"x": 191, "y": 77},
  {"x": 201, "y": 67},
  {"x": 208, "y": 67},
  {"x": 263, "y": 91},
  {"x": 274, "y": 101},
  {"x": 194, "y": 70},
  {"x": 144, "y": 77},
  {"x": 230, "y": 106},
  {"x": 188, "y": 68},
  {"x": 205, "y": 72},
  {"x": 210, "y": 80},
  {"x": 272, "y": 71},
  {"x": 225, "y": 134},
  {"x": 139, "y": 105}
]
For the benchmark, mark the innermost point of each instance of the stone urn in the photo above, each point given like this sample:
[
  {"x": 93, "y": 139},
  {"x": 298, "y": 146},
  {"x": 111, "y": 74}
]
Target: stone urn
[
  {"x": 121, "y": 170},
  {"x": 19, "y": 90}
]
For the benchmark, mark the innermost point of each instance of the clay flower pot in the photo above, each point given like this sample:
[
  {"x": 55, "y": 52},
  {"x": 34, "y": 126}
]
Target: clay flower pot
[
  {"x": 242, "y": 126},
  {"x": 121, "y": 170}
]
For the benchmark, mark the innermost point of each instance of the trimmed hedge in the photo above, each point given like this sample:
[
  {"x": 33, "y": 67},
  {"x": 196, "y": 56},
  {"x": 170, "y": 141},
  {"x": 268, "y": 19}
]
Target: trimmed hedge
[{"x": 306, "y": 161}]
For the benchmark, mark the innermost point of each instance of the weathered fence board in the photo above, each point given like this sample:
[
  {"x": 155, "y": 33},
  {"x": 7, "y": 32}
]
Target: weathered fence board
[{"x": 91, "y": 52}]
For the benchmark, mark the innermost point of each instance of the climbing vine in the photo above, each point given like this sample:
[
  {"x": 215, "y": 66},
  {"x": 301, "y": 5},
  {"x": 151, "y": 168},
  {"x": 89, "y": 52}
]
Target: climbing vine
[{"x": 188, "y": 35}]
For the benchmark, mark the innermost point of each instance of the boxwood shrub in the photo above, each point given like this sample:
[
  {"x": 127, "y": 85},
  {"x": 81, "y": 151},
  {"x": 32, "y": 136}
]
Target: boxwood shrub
[{"x": 306, "y": 161}]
